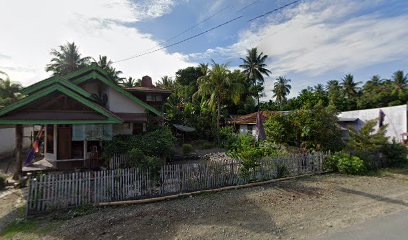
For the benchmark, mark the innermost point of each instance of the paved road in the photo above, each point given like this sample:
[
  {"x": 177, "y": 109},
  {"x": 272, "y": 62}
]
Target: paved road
[{"x": 390, "y": 227}]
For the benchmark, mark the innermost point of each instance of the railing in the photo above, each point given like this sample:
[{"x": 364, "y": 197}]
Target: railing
[{"x": 63, "y": 190}]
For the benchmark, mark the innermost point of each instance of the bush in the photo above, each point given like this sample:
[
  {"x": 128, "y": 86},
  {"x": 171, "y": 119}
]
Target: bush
[
  {"x": 159, "y": 143},
  {"x": 395, "y": 154},
  {"x": 331, "y": 163},
  {"x": 187, "y": 148},
  {"x": 139, "y": 160},
  {"x": 350, "y": 165},
  {"x": 228, "y": 138}
]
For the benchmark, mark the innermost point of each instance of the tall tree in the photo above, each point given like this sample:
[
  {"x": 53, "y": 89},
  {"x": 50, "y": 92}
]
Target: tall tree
[
  {"x": 254, "y": 69},
  {"x": 106, "y": 64},
  {"x": 350, "y": 87},
  {"x": 334, "y": 94},
  {"x": 130, "y": 82},
  {"x": 399, "y": 80},
  {"x": 217, "y": 86},
  {"x": 66, "y": 59},
  {"x": 9, "y": 91},
  {"x": 166, "y": 82},
  {"x": 281, "y": 88}
]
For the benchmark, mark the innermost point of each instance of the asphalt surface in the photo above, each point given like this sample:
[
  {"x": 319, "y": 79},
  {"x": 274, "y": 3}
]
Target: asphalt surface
[{"x": 390, "y": 227}]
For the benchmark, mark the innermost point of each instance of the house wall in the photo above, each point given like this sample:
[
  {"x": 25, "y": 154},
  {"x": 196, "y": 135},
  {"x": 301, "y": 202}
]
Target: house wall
[
  {"x": 122, "y": 129},
  {"x": 121, "y": 104},
  {"x": 395, "y": 117},
  {"x": 243, "y": 128},
  {"x": 91, "y": 87},
  {"x": 8, "y": 140}
]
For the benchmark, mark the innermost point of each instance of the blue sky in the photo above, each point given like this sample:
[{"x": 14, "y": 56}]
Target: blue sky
[{"x": 309, "y": 42}]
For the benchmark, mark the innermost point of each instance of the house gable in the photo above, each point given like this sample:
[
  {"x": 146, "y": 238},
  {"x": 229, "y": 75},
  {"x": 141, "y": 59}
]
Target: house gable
[
  {"x": 75, "y": 79},
  {"x": 56, "y": 105},
  {"x": 96, "y": 75}
]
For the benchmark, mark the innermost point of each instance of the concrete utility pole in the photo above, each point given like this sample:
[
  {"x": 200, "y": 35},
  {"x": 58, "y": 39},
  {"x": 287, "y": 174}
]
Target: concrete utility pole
[{"x": 19, "y": 153}]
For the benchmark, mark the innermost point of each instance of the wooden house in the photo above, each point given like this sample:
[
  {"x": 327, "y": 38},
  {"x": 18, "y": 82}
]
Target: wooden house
[{"x": 81, "y": 110}]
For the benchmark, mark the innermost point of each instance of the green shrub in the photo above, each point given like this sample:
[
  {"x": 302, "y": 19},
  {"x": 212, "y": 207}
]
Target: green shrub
[
  {"x": 139, "y": 160},
  {"x": 270, "y": 149},
  {"x": 228, "y": 138},
  {"x": 395, "y": 154},
  {"x": 350, "y": 165},
  {"x": 187, "y": 148},
  {"x": 331, "y": 163},
  {"x": 159, "y": 143}
]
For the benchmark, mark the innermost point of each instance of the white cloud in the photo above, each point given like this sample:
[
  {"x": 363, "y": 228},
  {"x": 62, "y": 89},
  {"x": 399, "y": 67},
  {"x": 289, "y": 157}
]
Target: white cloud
[
  {"x": 320, "y": 36},
  {"x": 32, "y": 28}
]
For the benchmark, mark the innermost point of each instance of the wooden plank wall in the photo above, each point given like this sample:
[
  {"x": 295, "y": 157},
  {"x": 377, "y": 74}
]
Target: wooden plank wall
[{"x": 64, "y": 190}]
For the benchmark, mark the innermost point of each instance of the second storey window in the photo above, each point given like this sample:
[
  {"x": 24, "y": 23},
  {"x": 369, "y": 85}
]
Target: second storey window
[{"x": 153, "y": 98}]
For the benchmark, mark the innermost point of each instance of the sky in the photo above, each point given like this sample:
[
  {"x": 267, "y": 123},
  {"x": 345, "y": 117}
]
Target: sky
[{"x": 309, "y": 42}]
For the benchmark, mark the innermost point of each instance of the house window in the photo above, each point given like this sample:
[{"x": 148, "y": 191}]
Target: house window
[
  {"x": 153, "y": 98},
  {"x": 50, "y": 139},
  {"x": 250, "y": 128}
]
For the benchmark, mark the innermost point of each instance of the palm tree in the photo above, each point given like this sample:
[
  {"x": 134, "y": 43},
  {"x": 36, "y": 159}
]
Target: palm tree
[
  {"x": 399, "y": 80},
  {"x": 254, "y": 69},
  {"x": 281, "y": 88},
  {"x": 5, "y": 75},
  {"x": 9, "y": 91},
  {"x": 350, "y": 86},
  {"x": 130, "y": 82},
  {"x": 66, "y": 59},
  {"x": 217, "y": 86},
  {"x": 106, "y": 64},
  {"x": 166, "y": 82}
]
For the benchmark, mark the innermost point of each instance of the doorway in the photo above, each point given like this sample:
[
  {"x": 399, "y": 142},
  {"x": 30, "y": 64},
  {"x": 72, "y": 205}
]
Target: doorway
[{"x": 64, "y": 142}]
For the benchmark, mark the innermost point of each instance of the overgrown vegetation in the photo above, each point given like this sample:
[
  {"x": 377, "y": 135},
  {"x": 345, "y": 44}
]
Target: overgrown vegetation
[
  {"x": 147, "y": 150},
  {"x": 187, "y": 148},
  {"x": 315, "y": 129},
  {"x": 368, "y": 149}
]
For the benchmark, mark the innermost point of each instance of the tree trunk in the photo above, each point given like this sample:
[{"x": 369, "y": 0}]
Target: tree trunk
[{"x": 19, "y": 154}]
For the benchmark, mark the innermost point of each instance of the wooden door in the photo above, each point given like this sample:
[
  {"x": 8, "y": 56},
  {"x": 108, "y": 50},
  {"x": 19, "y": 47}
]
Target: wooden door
[{"x": 64, "y": 142}]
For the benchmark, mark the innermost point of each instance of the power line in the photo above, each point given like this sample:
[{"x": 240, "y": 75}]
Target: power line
[
  {"x": 181, "y": 41},
  {"x": 206, "y": 31},
  {"x": 272, "y": 11}
]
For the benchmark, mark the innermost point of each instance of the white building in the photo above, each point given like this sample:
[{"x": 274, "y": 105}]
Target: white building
[{"x": 395, "y": 117}]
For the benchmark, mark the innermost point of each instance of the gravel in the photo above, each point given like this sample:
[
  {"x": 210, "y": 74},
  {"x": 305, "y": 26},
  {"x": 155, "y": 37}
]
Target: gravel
[{"x": 294, "y": 209}]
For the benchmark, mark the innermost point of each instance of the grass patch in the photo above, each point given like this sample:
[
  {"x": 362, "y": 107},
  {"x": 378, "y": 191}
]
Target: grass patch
[
  {"x": 30, "y": 227},
  {"x": 394, "y": 172}
]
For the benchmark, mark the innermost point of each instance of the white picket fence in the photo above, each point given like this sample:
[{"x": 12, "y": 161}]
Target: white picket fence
[{"x": 63, "y": 190}]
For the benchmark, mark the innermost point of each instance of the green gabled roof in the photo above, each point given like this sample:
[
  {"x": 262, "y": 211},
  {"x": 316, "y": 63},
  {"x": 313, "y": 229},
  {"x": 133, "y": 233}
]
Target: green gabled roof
[
  {"x": 91, "y": 72},
  {"x": 111, "y": 118},
  {"x": 100, "y": 77},
  {"x": 53, "y": 80}
]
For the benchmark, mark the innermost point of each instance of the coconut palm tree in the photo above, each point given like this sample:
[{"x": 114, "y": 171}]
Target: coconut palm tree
[
  {"x": 281, "y": 88},
  {"x": 66, "y": 59},
  {"x": 106, "y": 64},
  {"x": 254, "y": 69},
  {"x": 130, "y": 82},
  {"x": 399, "y": 80},
  {"x": 216, "y": 87},
  {"x": 166, "y": 82},
  {"x": 350, "y": 87},
  {"x": 9, "y": 91}
]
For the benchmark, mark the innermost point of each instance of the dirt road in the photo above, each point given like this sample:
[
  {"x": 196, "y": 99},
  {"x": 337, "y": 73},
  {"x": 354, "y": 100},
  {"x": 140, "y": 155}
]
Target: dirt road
[{"x": 297, "y": 209}]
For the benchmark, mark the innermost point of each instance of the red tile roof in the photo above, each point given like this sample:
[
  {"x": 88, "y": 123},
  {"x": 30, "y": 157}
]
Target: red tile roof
[
  {"x": 251, "y": 117},
  {"x": 147, "y": 89}
]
